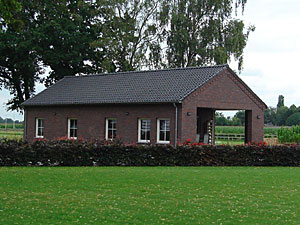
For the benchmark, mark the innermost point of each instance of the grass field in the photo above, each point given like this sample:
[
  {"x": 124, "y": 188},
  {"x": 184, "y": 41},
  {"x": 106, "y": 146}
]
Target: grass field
[
  {"x": 11, "y": 134},
  {"x": 241, "y": 130},
  {"x": 230, "y": 142},
  {"x": 149, "y": 195},
  {"x": 10, "y": 126}
]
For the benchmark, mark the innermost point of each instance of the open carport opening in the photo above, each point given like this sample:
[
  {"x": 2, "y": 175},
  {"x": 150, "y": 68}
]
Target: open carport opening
[
  {"x": 221, "y": 127},
  {"x": 230, "y": 127}
]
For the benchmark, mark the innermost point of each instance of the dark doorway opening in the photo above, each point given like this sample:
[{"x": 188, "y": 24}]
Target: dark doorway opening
[{"x": 205, "y": 125}]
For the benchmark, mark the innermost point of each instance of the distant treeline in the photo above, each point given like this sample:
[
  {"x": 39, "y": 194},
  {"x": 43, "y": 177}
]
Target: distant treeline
[
  {"x": 282, "y": 115},
  {"x": 237, "y": 120},
  {"x": 9, "y": 120}
]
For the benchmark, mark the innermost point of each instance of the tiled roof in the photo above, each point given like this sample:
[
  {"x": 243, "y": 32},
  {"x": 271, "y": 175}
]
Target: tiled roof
[{"x": 156, "y": 86}]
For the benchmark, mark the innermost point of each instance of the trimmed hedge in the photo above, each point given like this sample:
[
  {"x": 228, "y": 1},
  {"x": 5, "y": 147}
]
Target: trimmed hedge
[{"x": 81, "y": 153}]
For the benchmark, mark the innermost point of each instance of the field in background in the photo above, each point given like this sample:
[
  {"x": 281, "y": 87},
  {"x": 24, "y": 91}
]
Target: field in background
[
  {"x": 241, "y": 130},
  {"x": 149, "y": 195},
  {"x": 229, "y": 142},
  {"x": 11, "y": 131},
  {"x": 11, "y": 134},
  {"x": 11, "y": 126},
  {"x": 233, "y": 135}
]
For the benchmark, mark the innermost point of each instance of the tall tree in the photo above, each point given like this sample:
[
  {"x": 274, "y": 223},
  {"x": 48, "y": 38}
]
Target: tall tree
[
  {"x": 65, "y": 31},
  {"x": 55, "y": 34},
  {"x": 19, "y": 67},
  {"x": 204, "y": 32},
  {"x": 280, "y": 101},
  {"x": 74, "y": 37},
  {"x": 132, "y": 34}
]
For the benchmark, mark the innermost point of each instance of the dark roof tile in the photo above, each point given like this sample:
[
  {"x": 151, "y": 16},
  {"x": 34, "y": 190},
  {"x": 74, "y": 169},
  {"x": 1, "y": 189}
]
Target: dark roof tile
[{"x": 156, "y": 86}]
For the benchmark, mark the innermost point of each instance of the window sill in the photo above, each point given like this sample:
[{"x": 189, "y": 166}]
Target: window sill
[{"x": 39, "y": 137}]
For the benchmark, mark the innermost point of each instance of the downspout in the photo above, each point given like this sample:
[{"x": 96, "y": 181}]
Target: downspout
[
  {"x": 176, "y": 124},
  {"x": 25, "y": 127}
]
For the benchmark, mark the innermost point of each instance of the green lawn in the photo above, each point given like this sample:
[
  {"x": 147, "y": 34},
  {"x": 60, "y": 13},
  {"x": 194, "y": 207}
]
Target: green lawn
[{"x": 149, "y": 195}]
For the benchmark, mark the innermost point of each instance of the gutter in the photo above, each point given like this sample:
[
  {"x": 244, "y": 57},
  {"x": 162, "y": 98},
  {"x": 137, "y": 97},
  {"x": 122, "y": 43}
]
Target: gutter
[{"x": 176, "y": 124}]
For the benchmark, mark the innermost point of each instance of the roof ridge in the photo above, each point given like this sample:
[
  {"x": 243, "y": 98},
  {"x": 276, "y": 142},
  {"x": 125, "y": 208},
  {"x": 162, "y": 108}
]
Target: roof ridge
[{"x": 147, "y": 71}]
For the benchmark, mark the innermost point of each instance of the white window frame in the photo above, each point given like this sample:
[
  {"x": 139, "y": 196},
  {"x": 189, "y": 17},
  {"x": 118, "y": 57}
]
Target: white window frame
[
  {"x": 106, "y": 128},
  {"x": 69, "y": 128},
  {"x": 37, "y": 127},
  {"x": 158, "y": 131},
  {"x": 140, "y": 129}
]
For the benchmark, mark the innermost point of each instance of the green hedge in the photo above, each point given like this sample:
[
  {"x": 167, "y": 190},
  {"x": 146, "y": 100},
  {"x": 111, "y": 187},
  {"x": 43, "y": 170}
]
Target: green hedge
[{"x": 81, "y": 153}]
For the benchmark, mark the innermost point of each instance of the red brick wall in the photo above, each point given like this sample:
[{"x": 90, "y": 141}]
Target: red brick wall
[
  {"x": 221, "y": 93},
  {"x": 91, "y": 120}
]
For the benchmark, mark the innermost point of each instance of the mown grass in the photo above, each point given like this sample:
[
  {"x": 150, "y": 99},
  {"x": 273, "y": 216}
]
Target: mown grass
[{"x": 149, "y": 195}]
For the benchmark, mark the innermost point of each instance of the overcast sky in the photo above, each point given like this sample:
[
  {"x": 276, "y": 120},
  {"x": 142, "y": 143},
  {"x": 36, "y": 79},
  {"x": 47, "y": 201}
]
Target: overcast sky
[{"x": 271, "y": 57}]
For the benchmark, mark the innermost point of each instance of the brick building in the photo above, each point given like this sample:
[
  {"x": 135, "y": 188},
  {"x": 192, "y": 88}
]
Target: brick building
[{"x": 156, "y": 107}]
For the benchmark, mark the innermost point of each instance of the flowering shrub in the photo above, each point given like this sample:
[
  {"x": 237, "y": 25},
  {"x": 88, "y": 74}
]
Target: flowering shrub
[{"x": 188, "y": 142}]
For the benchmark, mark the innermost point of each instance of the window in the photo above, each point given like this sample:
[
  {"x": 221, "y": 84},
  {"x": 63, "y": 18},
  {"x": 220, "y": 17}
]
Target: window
[
  {"x": 144, "y": 130},
  {"x": 39, "y": 132},
  {"x": 111, "y": 129},
  {"x": 72, "y": 128},
  {"x": 163, "y": 131}
]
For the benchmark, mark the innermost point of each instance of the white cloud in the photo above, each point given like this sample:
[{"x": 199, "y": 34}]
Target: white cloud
[{"x": 273, "y": 50}]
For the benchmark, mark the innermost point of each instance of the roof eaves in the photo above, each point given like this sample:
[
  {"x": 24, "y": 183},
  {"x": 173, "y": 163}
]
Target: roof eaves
[
  {"x": 25, "y": 103},
  {"x": 100, "y": 103}
]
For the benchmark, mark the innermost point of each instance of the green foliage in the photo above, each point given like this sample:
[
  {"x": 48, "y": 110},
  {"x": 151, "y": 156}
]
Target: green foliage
[
  {"x": 55, "y": 34},
  {"x": 19, "y": 66},
  {"x": 7, "y": 10},
  {"x": 293, "y": 119},
  {"x": 289, "y": 135},
  {"x": 63, "y": 36},
  {"x": 204, "y": 32},
  {"x": 10, "y": 126},
  {"x": 132, "y": 35},
  {"x": 279, "y": 116},
  {"x": 82, "y": 153},
  {"x": 271, "y": 130},
  {"x": 241, "y": 130},
  {"x": 282, "y": 115},
  {"x": 280, "y": 101},
  {"x": 237, "y": 120},
  {"x": 270, "y": 115},
  {"x": 79, "y": 37},
  {"x": 230, "y": 129}
]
